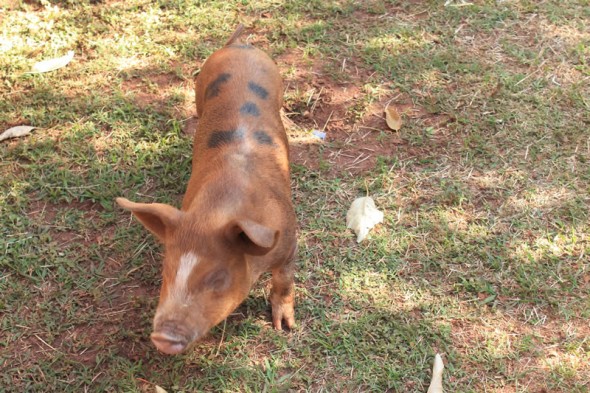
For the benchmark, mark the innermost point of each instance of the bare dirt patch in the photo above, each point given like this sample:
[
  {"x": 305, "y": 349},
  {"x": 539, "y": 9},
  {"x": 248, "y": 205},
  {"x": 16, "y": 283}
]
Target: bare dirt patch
[
  {"x": 50, "y": 215},
  {"x": 353, "y": 145},
  {"x": 163, "y": 91},
  {"x": 150, "y": 90}
]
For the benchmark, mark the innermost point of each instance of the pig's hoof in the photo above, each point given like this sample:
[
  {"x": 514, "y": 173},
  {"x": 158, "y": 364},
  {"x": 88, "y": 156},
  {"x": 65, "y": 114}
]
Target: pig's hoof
[
  {"x": 283, "y": 312},
  {"x": 168, "y": 344}
]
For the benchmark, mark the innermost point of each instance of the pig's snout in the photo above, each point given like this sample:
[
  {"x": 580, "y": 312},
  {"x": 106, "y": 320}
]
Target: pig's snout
[
  {"x": 168, "y": 344},
  {"x": 170, "y": 339}
]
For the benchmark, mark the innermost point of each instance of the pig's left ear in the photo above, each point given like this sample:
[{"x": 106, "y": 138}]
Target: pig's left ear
[
  {"x": 254, "y": 238},
  {"x": 158, "y": 218}
]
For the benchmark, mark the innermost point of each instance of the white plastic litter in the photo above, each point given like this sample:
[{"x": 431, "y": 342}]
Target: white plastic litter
[
  {"x": 319, "y": 134},
  {"x": 52, "y": 64},
  {"x": 362, "y": 216},
  {"x": 437, "y": 370},
  {"x": 15, "y": 132}
]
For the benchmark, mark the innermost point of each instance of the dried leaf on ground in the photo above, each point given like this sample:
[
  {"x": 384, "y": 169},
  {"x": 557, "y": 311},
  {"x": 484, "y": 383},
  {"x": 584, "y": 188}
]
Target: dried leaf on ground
[
  {"x": 15, "y": 132},
  {"x": 52, "y": 64},
  {"x": 393, "y": 118},
  {"x": 362, "y": 216},
  {"x": 460, "y": 3},
  {"x": 437, "y": 370},
  {"x": 160, "y": 389}
]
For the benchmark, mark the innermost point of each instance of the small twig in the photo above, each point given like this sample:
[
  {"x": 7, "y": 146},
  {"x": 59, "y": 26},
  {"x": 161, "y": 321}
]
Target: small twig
[
  {"x": 327, "y": 121},
  {"x": 132, "y": 271},
  {"x": 371, "y": 128},
  {"x": 96, "y": 376},
  {"x": 44, "y": 342},
  {"x": 222, "y": 336},
  {"x": 74, "y": 187},
  {"x": 315, "y": 103},
  {"x": 448, "y": 3},
  {"x": 145, "y": 381},
  {"x": 310, "y": 97},
  {"x": 109, "y": 314},
  {"x": 531, "y": 74}
]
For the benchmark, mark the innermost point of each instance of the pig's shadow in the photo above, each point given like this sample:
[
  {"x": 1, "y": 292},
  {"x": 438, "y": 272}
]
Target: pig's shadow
[{"x": 253, "y": 315}]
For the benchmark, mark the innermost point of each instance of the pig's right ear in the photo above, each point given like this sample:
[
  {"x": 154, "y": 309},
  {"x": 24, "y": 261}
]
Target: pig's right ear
[
  {"x": 158, "y": 218},
  {"x": 253, "y": 238}
]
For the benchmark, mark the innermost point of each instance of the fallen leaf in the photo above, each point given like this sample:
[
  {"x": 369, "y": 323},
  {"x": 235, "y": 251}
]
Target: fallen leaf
[
  {"x": 52, "y": 64},
  {"x": 15, "y": 132},
  {"x": 461, "y": 3},
  {"x": 436, "y": 382},
  {"x": 160, "y": 389},
  {"x": 362, "y": 216},
  {"x": 393, "y": 118}
]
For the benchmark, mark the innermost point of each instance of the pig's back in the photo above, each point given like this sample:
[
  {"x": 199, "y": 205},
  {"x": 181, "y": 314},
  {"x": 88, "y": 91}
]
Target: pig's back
[{"x": 240, "y": 133}]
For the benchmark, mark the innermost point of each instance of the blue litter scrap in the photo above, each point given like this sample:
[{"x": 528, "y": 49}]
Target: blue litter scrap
[{"x": 319, "y": 134}]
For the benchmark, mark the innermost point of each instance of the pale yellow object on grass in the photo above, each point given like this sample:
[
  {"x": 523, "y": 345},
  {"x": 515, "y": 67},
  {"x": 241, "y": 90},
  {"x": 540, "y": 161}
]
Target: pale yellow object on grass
[
  {"x": 52, "y": 64},
  {"x": 437, "y": 370},
  {"x": 15, "y": 132},
  {"x": 362, "y": 216},
  {"x": 393, "y": 118}
]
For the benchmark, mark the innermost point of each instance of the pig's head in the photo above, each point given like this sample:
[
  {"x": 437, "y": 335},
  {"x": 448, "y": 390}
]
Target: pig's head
[{"x": 206, "y": 270}]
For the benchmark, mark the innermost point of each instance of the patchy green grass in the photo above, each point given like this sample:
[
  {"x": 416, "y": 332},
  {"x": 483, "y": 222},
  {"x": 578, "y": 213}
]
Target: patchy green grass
[{"x": 483, "y": 254}]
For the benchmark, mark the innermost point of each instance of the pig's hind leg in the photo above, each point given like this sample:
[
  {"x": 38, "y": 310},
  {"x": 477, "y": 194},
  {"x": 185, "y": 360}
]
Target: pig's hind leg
[{"x": 282, "y": 295}]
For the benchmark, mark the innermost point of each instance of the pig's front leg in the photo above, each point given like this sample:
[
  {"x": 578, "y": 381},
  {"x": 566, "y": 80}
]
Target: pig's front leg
[{"x": 282, "y": 294}]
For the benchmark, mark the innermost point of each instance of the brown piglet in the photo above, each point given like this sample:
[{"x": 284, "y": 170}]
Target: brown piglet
[{"x": 237, "y": 219}]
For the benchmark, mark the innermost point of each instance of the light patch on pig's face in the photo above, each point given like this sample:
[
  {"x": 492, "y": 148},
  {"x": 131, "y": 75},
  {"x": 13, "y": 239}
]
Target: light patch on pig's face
[
  {"x": 198, "y": 291},
  {"x": 179, "y": 289}
]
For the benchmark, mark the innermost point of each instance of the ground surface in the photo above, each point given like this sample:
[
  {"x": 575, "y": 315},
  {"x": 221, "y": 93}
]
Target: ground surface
[{"x": 483, "y": 254}]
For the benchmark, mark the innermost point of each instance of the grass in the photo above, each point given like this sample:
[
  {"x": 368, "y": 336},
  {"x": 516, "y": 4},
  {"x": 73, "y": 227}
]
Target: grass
[{"x": 483, "y": 252}]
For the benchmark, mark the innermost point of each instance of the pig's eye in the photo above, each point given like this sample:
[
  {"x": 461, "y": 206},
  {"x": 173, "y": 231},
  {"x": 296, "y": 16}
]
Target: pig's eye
[{"x": 217, "y": 280}]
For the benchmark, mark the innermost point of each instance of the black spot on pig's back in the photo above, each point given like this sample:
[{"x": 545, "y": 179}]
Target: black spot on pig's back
[
  {"x": 250, "y": 108},
  {"x": 221, "y": 138},
  {"x": 260, "y": 91},
  {"x": 262, "y": 138},
  {"x": 214, "y": 88}
]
